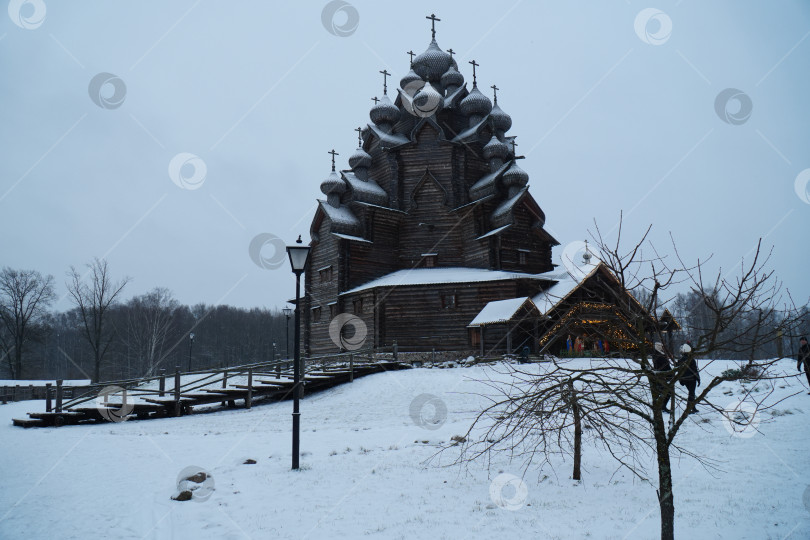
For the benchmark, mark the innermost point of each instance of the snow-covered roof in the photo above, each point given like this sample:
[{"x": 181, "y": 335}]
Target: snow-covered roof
[
  {"x": 388, "y": 139},
  {"x": 426, "y": 276},
  {"x": 494, "y": 232},
  {"x": 352, "y": 238},
  {"x": 341, "y": 215},
  {"x": 365, "y": 190},
  {"x": 451, "y": 99},
  {"x": 486, "y": 185},
  {"x": 370, "y": 205},
  {"x": 505, "y": 207},
  {"x": 470, "y": 132},
  {"x": 499, "y": 311},
  {"x": 566, "y": 283}
]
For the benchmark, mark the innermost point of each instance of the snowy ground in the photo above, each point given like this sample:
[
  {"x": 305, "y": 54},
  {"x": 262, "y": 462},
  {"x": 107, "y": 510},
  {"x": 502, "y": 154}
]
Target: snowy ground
[{"x": 365, "y": 474}]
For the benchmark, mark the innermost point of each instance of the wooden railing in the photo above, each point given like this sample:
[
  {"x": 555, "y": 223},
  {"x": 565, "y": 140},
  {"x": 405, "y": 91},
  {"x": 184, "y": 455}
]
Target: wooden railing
[{"x": 207, "y": 378}]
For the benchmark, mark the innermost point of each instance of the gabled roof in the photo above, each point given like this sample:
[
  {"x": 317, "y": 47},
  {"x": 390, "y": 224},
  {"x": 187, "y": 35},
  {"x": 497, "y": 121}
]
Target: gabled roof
[
  {"x": 566, "y": 284},
  {"x": 342, "y": 218},
  {"x": 471, "y": 132},
  {"x": 504, "y": 210},
  {"x": 390, "y": 140},
  {"x": 501, "y": 311},
  {"x": 667, "y": 321},
  {"x": 365, "y": 190},
  {"x": 453, "y": 99},
  {"x": 420, "y": 123},
  {"x": 486, "y": 185}
]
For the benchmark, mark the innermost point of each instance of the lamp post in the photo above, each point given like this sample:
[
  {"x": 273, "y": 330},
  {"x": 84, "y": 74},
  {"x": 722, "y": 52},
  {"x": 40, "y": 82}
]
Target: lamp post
[
  {"x": 299, "y": 256},
  {"x": 287, "y": 312},
  {"x": 190, "y": 345}
]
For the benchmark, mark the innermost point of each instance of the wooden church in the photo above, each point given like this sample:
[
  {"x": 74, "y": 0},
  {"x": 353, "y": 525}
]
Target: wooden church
[{"x": 431, "y": 236}]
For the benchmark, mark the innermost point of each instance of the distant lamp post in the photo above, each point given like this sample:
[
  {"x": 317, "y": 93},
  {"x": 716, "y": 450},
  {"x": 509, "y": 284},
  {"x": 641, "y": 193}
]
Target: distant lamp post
[
  {"x": 299, "y": 256},
  {"x": 287, "y": 312},
  {"x": 190, "y": 345}
]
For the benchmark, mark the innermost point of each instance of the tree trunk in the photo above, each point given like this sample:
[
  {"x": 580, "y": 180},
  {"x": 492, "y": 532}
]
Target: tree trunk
[
  {"x": 577, "y": 433},
  {"x": 17, "y": 362},
  {"x": 97, "y": 368},
  {"x": 665, "y": 496}
]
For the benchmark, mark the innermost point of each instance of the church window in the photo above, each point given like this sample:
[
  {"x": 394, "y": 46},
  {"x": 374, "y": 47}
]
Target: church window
[
  {"x": 430, "y": 259},
  {"x": 325, "y": 274},
  {"x": 522, "y": 256},
  {"x": 449, "y": 301},
  {"x": 316, "y": 314},
  {"x": 358, "y": 306}
]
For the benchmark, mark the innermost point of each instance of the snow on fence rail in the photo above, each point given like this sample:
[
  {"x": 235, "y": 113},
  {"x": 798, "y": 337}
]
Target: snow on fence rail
[{"x": 151, "y": 397}]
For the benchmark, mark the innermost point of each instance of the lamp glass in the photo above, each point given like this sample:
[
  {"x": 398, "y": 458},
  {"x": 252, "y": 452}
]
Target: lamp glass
[
  {"x": 298, "y": 257},
  {"x": 287, "y": 311}
]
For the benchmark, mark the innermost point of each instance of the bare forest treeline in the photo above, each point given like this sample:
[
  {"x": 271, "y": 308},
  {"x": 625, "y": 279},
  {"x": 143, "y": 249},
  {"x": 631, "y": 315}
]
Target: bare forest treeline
[
  {"x": 691, "y": 311},
  {"x": 223, "y": 336},
  {"x": 139, "y": 336}
]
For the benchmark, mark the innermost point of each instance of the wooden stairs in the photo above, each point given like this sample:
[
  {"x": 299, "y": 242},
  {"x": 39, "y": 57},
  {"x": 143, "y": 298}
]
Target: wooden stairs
[{"x": 266, "y": 382}]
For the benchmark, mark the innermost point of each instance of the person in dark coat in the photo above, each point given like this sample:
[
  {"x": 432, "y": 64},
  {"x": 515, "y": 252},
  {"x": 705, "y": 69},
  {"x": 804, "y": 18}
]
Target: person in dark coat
[
  {"x": 804, "y": 358},
  {"x": 690, "y": 376},
  {"x": 661, "y": 363}
]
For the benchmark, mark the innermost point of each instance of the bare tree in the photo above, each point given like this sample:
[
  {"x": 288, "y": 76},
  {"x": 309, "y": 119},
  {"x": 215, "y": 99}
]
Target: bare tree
[
  {"x": 24, "y": 299},
  {"x": 150, "y": 321},
  {"x": 93, "y": 302},
  {"x": 623, "y": 398}
]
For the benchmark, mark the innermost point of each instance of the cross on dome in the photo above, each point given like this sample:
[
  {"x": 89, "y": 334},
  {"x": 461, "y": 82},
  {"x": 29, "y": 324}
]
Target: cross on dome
[
  {"x": 385, "y": 75},
  {"x": 332, "y": 151},
  {"x": 433, "y": 20},
  {"x": 474, "y": 65}
]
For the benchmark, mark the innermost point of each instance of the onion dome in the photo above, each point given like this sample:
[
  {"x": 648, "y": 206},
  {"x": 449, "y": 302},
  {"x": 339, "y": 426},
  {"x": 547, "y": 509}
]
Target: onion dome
[
  {"x": 452, "y": 78},
  {"x": 496, "y": 149},
  {"x": 333, "y": 184},
  {"x": 384, "y": 112},
  {"x": 428, "y": 101},
  {"x": 431, "y": 64},
  {"x": 476, "y": 103},
  {"x": 360, "y": 158},
  {"x": 410, "y": 77},
  {"x": 500, "y": 119},
  {"x": 515, "y": 177}
]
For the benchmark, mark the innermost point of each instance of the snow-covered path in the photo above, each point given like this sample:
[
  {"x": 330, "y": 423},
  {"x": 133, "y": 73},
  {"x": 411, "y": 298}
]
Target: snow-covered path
[{"x": 364, "y": 474}]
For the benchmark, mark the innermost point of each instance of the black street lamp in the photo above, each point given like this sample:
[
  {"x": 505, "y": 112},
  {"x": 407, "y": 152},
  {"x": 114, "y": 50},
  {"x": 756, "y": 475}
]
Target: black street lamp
[
  {"x": 287, "y": 312},
  {"x": 190, "y": 345},
  {"x": 299, "y": 256}
]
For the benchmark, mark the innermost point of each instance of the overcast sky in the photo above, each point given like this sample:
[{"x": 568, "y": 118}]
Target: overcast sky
[{"x": 615, "y": 108}]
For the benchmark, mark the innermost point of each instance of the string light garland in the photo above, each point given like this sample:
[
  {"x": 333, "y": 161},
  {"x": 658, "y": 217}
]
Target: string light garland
[{"x": 607, "y": 323}]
